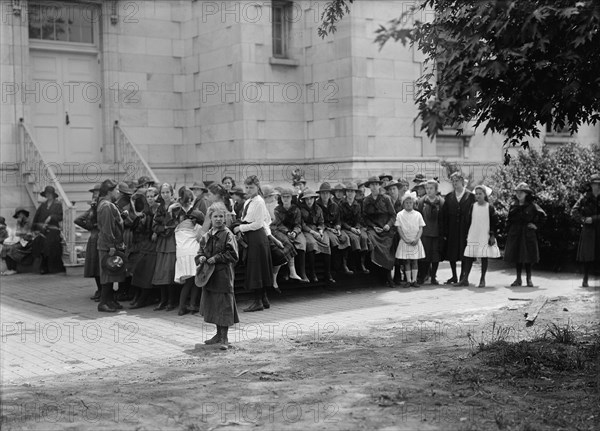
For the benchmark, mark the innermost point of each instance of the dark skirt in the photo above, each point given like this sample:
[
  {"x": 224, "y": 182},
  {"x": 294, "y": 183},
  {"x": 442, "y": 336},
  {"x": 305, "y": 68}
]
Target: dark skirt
[
  {"x": 105, "y": 276},
  {"x": 17, "y": 252},
  {"x": 588, "y": 249},
  {"x": 164, "y": 271},
  {"x": 358, "y": 242},
  {"x": 431, "y": 244},
  {"x": 340, "y": 242},
  {"x": 318, "y": 246},
  {"x": 521, "y": 245},
  {"x": 381, "y": 254},
  {"x": 259, "y": 266},
  {"x": 289, "y": 250},
  {"x": 143, "y": 271},
  {"x": 91, "y": 267},
  {"x": 218, "y": 308},
  {"x": 50, "y": 249}
]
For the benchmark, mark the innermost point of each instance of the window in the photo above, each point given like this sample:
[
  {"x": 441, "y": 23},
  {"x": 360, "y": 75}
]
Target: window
[
  {"x": 65, "y": 23},
  {"x": 562, "y": 132},
  {"x": 281, "y": 14}
]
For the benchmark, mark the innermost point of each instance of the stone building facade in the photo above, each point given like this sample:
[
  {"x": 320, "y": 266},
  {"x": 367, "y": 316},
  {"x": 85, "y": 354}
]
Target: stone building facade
[{"x": 206, "y": 89}]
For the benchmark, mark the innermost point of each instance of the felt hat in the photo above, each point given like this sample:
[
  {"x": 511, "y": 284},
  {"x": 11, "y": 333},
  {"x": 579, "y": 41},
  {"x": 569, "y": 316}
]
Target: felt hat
[
  {"x": 299, "y": 181},
  {"x": 144, "y": 181},
  {"x": 203, "y": 273},
  {"x": 286, "y": 191},
  {"x": 325, "y": 187},
  {"x": 237, "y": 190},
  {"x": 96, "y": 188},
  {"x": 125, "y": 189},
  {"x": 20, "y": 210},
  {"x": 114, "y": 264},
  {"x": 309, "y": 193},
  {"x": 351, "y": 187},
  {"x": 339, "y": 186},
  {"x": 457, "y": 174},
  {"x": 595, "y": 179},
  {"x": 384, "y": 176},
  {"x": 198, "y": 185},
  {"x": 107, "y": 185},
  {"x": 268, "y": 190},
  {"x": 419, "y": 178},
  {"x": 372, "y": 180},
  {"x": 392, "y": 183},
  {"x": 49, "y": 190},
  {"x": 523, "y": 187}
]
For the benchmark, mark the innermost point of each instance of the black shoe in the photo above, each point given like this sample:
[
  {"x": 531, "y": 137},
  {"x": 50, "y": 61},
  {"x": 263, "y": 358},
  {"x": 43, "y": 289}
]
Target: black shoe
[
  {"x": 116, "y": 305},
  {"x": 529, "y": 282},
  {"x": 420, "y": 281},
  {"x": 194, "y": 310},
  {"x": 585, "y": 283},
  {"x": 452, "y": 280},
  {"x": 214, "y": 340},
  {"x": 329, "y": 279},
  {"x": 277, "y": 290},
  {"x": 183, "y": 312},
  {"x": 106, "y": 308},
  {"x": 137, "y": 305},
  {"x": 160, "y": 306},
  {"x": 313, "y": 279},
  {"x": 265, "y": 302},
  {"x": 256, "y": 306},
  {"x": 517, "y": 282},
  {"x": 434, "y": 282},
  {"x": 96, "y": 296},
  {"x": 170, "y": 307}
]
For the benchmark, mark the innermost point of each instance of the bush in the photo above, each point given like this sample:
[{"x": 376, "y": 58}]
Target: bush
[{"x": 558, "y": 177}]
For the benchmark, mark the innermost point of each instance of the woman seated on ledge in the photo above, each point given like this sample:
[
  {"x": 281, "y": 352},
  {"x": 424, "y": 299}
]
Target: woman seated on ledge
[{"x": 16, "y": 248}]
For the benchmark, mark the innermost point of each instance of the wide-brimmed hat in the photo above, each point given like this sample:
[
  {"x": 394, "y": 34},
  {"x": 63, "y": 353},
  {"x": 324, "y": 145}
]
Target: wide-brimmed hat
[
  {"x": 351, "y": 187},
  {"x": 96, "y": 188},
  {"x": 125, "y": 189},
  {"x": 298, "y": 181},
  {"x": 419, "y": 178},
  {"x": 392, "y": 183},
  {"x": 203, "y": 273},
  {"x": 20, "y": 210},
  {"x": 309, "y": 193},
  {"x": 595, "y": 179},
  {"x": 523, "y": 187},
  {"x": 144, "y": 181},
  {"x": 114, "y": 264},
  {"x": 339, "y": 187},
  {"x": 50, "y": 190},
  {"x": 198, "y": 185},
  {"x": 325, "y": 187},
  {"x": 107, "y": 185},
  {"x": 384, "y": 176},
  {"x": 269, "y": 190},
  {"x": 237, "y": 190},
  {"x": 286, "y": 191},
  {"x": 457, "y": 174},
  {"x": 372, "y": 180}
]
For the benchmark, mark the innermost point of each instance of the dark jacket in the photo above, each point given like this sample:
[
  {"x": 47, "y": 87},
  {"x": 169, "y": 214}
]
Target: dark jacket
[
  {"x": 221, "y": 245},
  {"x": 432, "y": 215},
  {"x": 331, "y": 214},
  {"x": 110, "y": 226},
  {"x": 521, "y": 240},
  {"x": 351, "y": 215},
  {"x": 379, "y": 212},
  {"x": 287, "y": 220},
  {"x": 455, "y": 224},
  {"x": 312, "y": 218}
]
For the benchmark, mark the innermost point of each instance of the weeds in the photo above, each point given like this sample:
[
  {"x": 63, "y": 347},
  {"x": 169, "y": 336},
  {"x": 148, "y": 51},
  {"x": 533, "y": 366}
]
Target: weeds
[{"x": 563, "y": 335}]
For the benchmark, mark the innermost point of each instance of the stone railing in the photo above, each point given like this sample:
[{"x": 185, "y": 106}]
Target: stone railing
[
  {"x": 37, "y": 174},
  {"x": 129, "y": 157}
]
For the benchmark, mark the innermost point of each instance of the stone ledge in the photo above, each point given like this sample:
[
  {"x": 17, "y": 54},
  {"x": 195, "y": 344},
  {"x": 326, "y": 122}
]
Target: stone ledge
[{"x": 284, "y": 62}]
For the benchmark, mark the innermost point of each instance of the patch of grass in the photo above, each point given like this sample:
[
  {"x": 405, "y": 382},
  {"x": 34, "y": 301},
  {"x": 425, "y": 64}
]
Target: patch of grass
[{"x": 563, "y": 335}]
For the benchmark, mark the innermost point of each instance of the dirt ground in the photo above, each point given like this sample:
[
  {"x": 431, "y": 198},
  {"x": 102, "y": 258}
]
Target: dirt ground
[{"x": 424, "y": 375}]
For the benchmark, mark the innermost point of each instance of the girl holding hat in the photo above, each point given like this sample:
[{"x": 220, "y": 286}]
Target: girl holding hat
[
  {"x": 430, "y": 206},
  {"x": 218, "y": 249},
  {"x": 255, "y": 227},
  {"x": 166, "y": 250},
  {"x": 46, "y": 221},
  {"x": 218, "y": 193},
  {"x": 524, "y": 217},
  {"x": 89, "y": 222},
  {"x": 481, "y": 240},
  {"x": 587, "y": 212},
  {"x": 351, "y": 219},
  {"x": 313, "y": 226},
  {"x": 410, "y": 228},
  {"x": 379, "y": 217},
  {"x": 287, "y": 228}
]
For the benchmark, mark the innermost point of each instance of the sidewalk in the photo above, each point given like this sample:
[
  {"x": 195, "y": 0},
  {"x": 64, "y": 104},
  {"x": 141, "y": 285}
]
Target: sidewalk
[{"x": 49, "y": 326}]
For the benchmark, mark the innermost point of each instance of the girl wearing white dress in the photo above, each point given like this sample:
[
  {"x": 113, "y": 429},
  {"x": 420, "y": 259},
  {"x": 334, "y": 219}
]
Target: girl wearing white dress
[
  {"x": 410, "y": 225},
  {"x": 481, "y": 239}
]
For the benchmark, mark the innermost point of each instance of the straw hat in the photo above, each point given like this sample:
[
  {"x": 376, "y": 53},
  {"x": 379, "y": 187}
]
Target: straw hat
[{"x": 309, "y": 193}]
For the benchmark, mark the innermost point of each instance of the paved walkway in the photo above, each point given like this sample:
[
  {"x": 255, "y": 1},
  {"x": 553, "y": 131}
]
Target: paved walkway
[{"x": 49, "y": 326}]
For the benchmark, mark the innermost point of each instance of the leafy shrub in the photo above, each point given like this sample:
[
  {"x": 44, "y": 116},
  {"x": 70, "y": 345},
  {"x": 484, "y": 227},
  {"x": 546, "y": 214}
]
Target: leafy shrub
[{"x": 558, "y": 177}]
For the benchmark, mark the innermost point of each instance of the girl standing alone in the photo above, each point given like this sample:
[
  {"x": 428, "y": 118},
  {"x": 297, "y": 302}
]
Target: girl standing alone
[{"x": 410, "y": 227}]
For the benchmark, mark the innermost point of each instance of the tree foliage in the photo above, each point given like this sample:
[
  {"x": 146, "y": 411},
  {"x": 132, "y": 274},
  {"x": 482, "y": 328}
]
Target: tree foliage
[{"x": 508, "y": 66}]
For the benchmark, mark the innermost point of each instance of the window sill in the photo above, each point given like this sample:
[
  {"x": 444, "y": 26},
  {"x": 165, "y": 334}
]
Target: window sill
[
  {"x": 559, "y": 139},
  {"x": 284, "y": 62}
]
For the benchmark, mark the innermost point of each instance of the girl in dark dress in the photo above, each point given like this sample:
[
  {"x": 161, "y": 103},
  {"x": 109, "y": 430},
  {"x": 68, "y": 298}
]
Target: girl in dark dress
[
  {"x": 164, "y": 273},
  {"x": 89, "y": 222},
  {"x": 351, "y": 218},
  {"x": 218, "y": 253},
  {"x": 255, "y": 227},
  {"x": 524, "y": 217},
  {"x": 430, "y": 206},
  {"x": 48, "y": 244},
  {"x": 587, "y": 212}
]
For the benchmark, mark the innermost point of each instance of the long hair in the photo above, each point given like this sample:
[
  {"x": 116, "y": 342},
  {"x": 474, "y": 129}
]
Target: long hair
[
  {"x": 253, "y": 180},
  {"x": 186, "y": 196},
  {"x": 159, "y": 198}
]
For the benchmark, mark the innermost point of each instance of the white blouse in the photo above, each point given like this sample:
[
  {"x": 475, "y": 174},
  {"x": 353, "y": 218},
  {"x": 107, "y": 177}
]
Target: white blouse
[{"x": 257, "y": 215}]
